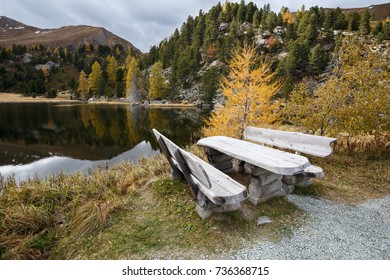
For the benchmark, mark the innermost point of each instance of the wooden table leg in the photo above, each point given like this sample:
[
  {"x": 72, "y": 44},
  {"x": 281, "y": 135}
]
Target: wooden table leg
[
  {"x": 219, "y": 160},
  {"x": 299, "y": 180},
  {"x": 264, "y": 184},
  {"x": 205, "y": 207}
]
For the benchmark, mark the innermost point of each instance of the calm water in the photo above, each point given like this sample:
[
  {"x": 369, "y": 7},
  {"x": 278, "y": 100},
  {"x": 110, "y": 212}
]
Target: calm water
[{"x": 42, "y": 139}]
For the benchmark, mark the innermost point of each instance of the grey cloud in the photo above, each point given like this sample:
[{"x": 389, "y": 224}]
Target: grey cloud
[{"x": 142, "y": 22}]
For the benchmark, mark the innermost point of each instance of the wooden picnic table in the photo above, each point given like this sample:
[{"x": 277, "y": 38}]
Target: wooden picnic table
[
  {"x": 273, "y": 172},
  {"x": 275, "y": 161}
]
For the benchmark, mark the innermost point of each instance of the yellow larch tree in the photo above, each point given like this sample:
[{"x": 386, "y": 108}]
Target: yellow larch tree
[
  {"x": 133, "y": 81},
  {"x": 354, "y": 100},
  {"x": 83, "y": 87},
  {"x": 112, "y": 66},
  {"x": 45, "y": 72},
  {"x": 157, "y": 81},
  {"x": 287, "y": 17},
  {"x": 87, "y": 47},
  {"x": 95, "y": 77},
  {"x": 118, "y": 51},
  {"x": 249, "y": 90}
]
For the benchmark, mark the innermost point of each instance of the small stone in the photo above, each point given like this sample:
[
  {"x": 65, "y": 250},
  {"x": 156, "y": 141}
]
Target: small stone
[{"x": 263, "y": 220}]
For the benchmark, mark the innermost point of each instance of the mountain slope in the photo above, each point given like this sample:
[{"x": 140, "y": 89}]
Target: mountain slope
[
  {"x": 14, "y": 32},
  {"x": 380, "y": 11}
]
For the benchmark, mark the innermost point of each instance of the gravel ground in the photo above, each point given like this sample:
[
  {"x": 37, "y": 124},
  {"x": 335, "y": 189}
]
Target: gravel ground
[{"x": 333, "y": 231}]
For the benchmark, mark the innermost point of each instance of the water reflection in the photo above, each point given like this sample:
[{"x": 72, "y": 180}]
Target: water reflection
[
  {"x": 34, "y": 137},
  {"x": 56, "y": 164}
]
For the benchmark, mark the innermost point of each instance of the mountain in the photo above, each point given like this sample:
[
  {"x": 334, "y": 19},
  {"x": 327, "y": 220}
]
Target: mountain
[
  {"x": 380, "y": 11},
  {"x": 71, "y": 37}
]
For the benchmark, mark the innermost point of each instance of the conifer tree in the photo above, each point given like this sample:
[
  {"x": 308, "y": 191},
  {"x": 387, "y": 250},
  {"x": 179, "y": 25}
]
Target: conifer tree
[
  {"x": 378, "y": 27},
  {"x": 249, "y": 92},
  {"x": 353, "y": 21},
  {"x": 287, "y": 17},
  {"x": 365, "y": 27},
  {"x": 156, "y": 81},
  {"x": 317, "y": 60},
  {"x": 83, "y": 85},
  {"x": 45, "y": 72},
  {"x": 95, "y": 77},
  {"x": 209, "y": 84},
  {"x": 112, "y": 67},
  {"x": 256, "y": 19},
  {"x": 133, "y": 80}
]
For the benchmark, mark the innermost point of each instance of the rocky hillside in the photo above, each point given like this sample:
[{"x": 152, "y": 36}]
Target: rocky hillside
[
  {"x": 380, "y": 12},
  {"x": 71, "y": 37}
]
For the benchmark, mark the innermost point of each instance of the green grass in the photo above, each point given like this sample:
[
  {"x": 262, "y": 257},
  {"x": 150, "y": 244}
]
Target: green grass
[
  {"x": 351, "y": 178},
  {"x": 162, "y": 223},
  {"x": 136, "y": 212}
]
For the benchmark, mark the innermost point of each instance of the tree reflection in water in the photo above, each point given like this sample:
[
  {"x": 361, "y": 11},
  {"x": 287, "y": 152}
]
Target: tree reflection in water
[{"x": 87, "y": 134}]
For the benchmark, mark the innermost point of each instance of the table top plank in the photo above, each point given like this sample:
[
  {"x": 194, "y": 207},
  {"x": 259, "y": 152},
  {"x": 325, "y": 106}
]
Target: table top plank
[{"x": 276, "y": 161}]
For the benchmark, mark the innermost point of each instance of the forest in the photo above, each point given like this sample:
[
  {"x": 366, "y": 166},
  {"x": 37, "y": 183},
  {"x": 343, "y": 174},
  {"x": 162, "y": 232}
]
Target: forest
[{"x": 298, "y": 45}]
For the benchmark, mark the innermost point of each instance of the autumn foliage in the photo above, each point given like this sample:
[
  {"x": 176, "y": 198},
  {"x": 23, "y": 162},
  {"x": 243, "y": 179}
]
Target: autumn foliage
[
  {"x": 249, "y": 90},
  {"x": 354, "y": 100}
]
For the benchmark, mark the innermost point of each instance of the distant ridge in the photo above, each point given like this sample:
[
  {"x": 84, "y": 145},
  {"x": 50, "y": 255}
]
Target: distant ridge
[
  {"x": 15, "y": 32},
  {"x": 380, "y": 11}
]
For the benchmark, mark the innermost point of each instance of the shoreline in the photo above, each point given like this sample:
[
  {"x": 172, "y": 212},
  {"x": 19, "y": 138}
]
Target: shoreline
[{"x": 20, "y": 98}]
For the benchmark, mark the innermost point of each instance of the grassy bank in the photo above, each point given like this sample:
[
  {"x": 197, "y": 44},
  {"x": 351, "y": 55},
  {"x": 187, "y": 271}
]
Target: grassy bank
[
  {"x": 135, "y": 212},
  {"x": 20, "y": 98}
]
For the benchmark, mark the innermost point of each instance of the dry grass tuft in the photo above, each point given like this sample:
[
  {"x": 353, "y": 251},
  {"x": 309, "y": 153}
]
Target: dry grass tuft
[
  {"x": 92, "y": 216},
  {"x": 369, "y": 145}
]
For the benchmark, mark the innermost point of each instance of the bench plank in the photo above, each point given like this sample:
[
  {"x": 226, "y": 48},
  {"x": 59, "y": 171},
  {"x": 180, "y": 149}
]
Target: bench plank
[
  {"x": 270, "y": 159},
  {"x": 214, "y": 184},
  {"x": 314, "y": 171},
  {"x": 197, "y": 169},
  {"x": 305, "y": 143}
]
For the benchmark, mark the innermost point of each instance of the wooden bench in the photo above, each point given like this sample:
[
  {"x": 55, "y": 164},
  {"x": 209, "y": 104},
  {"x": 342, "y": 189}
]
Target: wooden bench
[
  {"x": 273, "y": 172},
  {"x": 314, "y": 145},
  {"x": 214, "y": 190},
  {"x": 319, "y": 146}
]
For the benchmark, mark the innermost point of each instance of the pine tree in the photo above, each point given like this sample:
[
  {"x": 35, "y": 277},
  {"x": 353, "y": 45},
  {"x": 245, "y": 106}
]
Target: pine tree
[
  {"x": 250, "y": 11},
  {"x": 378, "y": 27},
  {"x": 353, "y": 21},
  {"x": 317, "y": 60},
  {"x": 241, "y": 13},
  {"x": 249, "y": 92},
  {"x": 95, "y": 77},
  {"x": 256, "y": 19},
  {"x": 209, "y": 85},
  {"x": 365, "y": 27},
  {"x": 156, "y": 81},
  {"x": 39, "y": 86}
]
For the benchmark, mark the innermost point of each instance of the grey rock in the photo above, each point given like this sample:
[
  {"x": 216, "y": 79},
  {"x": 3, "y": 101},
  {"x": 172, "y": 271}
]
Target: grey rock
[{"x": 263, "y": 220}]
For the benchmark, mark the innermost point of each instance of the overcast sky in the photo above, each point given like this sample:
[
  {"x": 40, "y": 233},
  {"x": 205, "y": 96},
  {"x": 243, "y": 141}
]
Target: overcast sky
[{"x": 142, "y": 22}]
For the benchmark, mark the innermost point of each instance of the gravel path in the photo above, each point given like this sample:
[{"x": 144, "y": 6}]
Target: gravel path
[{"x": 333, "y": 231}]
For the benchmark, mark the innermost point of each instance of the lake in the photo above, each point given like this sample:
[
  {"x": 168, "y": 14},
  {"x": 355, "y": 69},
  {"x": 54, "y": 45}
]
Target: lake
[{"x": 40, "y": 139}]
